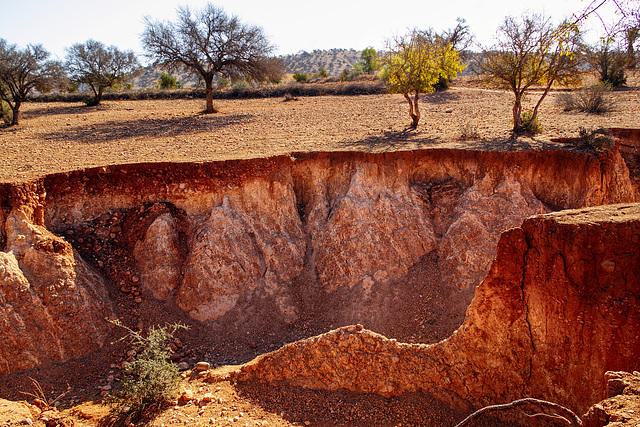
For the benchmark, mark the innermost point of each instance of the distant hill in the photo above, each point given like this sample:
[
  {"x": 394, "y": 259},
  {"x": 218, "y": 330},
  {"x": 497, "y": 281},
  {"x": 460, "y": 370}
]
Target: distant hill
[
  {"x": 334, "y": 61},
  {"x": 148, "y": 78}
]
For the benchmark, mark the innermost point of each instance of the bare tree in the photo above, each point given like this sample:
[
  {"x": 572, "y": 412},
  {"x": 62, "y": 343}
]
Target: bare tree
[
  {"x": 459, "y": 36},
  {"x": 22, "y": 70},
  {"x": 531, "y": 51},
  {"x": 209, "y": 43},
  {"x": 99, "y": 66}
]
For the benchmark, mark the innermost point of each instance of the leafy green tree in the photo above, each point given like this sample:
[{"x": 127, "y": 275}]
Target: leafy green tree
[
  {"x": 369, "y": 60},
  {"x": 322, "y": 73},
  {"x": 168, "y": 81},
  {"x": 209, "y": 43},
  {"x": 21, "y": 71},
  {"x": 414, "y": 63},
  {"x": 300, "y": 77},
  {"x": 531, "y": 51},
  {"x": 100, "y": 67}
]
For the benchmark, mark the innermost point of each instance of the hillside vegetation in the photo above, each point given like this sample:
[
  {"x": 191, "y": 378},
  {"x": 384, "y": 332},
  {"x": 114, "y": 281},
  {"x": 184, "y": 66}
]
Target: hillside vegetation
[{"x": 334, "y": 61}]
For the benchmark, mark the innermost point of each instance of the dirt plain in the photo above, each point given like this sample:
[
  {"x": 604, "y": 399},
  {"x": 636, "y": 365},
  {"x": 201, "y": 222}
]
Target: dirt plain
[{"x": 59, "y": 137}]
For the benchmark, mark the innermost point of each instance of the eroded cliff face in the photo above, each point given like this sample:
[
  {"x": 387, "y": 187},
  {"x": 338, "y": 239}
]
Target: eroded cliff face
[
  {"x": 391, "y": 240},
  {"x": 54, "y": 304},
  {"x": 556, "y": 311}
]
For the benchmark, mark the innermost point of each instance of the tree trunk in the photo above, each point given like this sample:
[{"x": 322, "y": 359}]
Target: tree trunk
[
  {"x": 517, "y": 111},
  {"x": 98, "y": 96},
  {"x": 209, "y": 91},
  {"x": 414, "y": 112},
  {"x": 535, "y": 110},
  {"x": 15, "y": 110}
]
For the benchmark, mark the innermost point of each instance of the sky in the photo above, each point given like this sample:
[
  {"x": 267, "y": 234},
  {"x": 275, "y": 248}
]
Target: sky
[{"x": 292, "y": 26}]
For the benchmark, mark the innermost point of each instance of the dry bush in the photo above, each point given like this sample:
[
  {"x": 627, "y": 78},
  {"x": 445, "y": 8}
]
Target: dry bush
[
  {"x": 469, "y": 131},
  {"x": 593, "y": 99}
]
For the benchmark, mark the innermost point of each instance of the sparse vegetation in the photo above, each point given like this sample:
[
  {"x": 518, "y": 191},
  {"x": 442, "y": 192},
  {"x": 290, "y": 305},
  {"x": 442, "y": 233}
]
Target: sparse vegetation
[
  {"x": 469, "y": 131},
  {"x": 610, "y": 63},
  {"x": 168, "y": 81},
  {"x": 21, "y": 71},
  {"x": 100, "y": 67},
  {"x": 530, "y": 122},
  {"x": 152, "y": 381},
  {"x": 210, "y": 43},
  {"x": 288, "y": 97},
  {"x": 597, "y": 140},
  {"x": 300, "y": 77},
  {"x": 531, "y": 51},
  {"x": 5, "y": 112},
  {"x": 593, "y": 99},
  {"x": 415, "y": 63}
]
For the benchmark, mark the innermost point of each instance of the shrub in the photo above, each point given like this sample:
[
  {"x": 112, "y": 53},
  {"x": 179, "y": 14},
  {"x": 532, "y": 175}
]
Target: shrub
[
  {"x": 167, "y": 81},
  {"x": 288, "y": 97},
  {"x": 5, "y": 112},
  {"x": 323, "y": 74},
  {"x": 469, "y": 131},
  {"x": 222, "y": 82},
  {"x": 530, "y": 123},
  {"x": 589, "y": 99},
  {"x": 300, "y": 77},
  {"x": 241, "y": 85},
  {"x": 598, "y": 140},
  {"x": 610, "y": 63},
  {"x": 153, "y": 381},
  {"x": 344, "y": 76}
]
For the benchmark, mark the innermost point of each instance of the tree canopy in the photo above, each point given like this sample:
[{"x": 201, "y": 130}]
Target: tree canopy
[
  {"x": 22, "y": 70},
  {"x": 531, "y": 51},
  {"x": 99, "y": 66},
  {"x": 369, "y": 60},
  {"x": 414, "y": 64},
  {"x": 209, "y": 43}
]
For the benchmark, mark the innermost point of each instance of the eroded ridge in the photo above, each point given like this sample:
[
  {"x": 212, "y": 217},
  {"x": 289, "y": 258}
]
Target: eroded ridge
[
  {"x": 558, "y": 309},
  {"x": 291, "y": 245}
]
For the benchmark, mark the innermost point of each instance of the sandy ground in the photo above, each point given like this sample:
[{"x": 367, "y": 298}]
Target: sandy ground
[{"x": 56, "y": 137}]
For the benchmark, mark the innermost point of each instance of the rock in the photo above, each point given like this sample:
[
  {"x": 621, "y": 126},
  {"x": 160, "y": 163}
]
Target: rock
[
  {"x": 183, "y": 366},
  {"x": 252, "y": 243},
  {"x": 377, "y": 229},
  {"x": 186, "y": 396},
  {"x": 158, "y": 257},
  {"x": 621, "y": 405},
  {"x": 202, "y": 366},
  {"x": 482, "y": 213}
]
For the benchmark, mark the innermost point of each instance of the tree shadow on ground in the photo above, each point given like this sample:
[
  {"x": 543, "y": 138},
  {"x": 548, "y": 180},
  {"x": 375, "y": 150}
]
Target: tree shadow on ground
[
  {"x": 393, "y": 141},
  {"x": 59, "y": 110},
  {"x": 149, "y": 127},
  {"x": 411, "y": 139},
  {"x": 441, "y": 97}
]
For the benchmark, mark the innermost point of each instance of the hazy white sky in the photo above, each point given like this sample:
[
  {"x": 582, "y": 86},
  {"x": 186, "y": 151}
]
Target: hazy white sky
[{"x": 291, "y": 25}]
